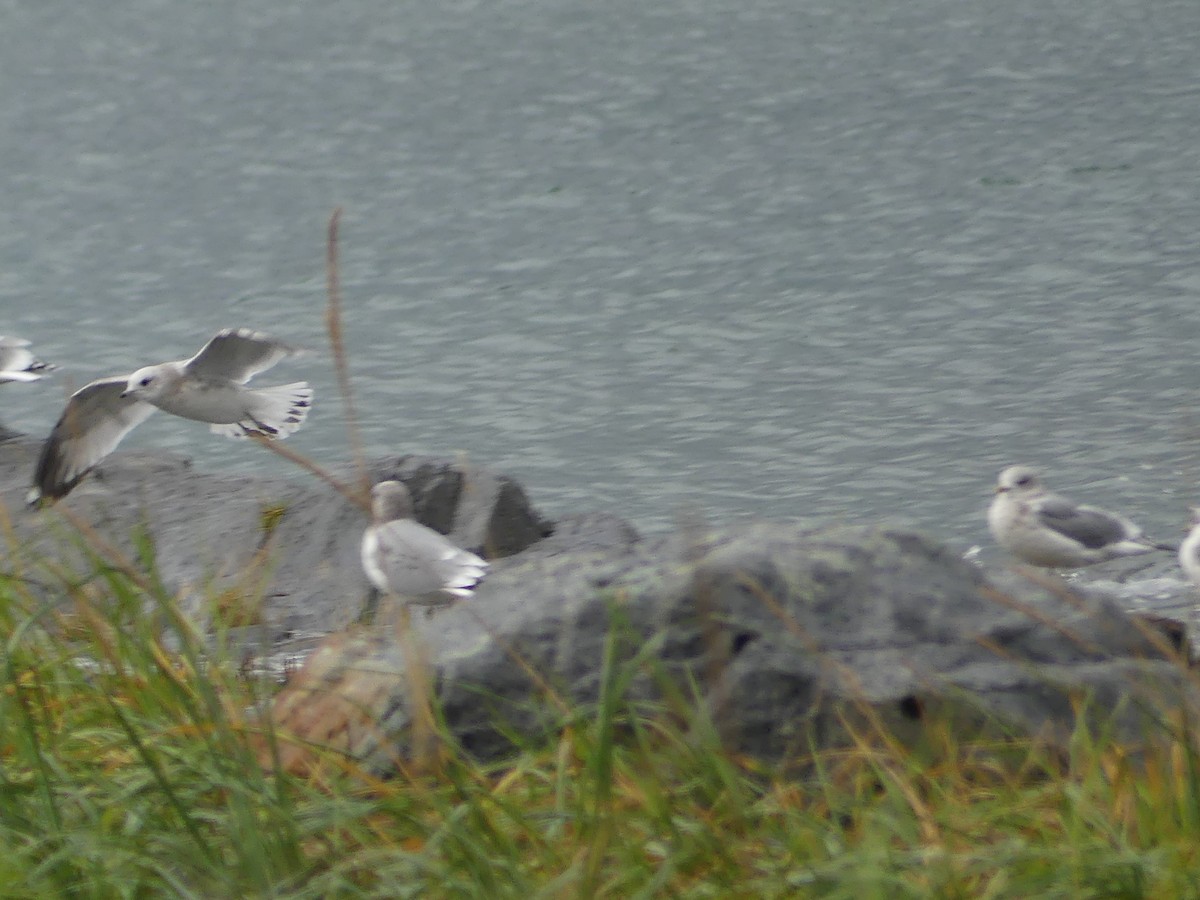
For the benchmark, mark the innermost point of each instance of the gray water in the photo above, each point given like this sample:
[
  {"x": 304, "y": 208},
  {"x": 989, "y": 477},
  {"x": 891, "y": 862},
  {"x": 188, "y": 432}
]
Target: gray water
[{"x": 840, "y": 259}]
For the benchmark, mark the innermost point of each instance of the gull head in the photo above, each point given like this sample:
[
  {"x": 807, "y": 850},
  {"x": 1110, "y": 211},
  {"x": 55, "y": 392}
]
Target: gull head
[
  {"x": 1024, "y": 480},
  {"x": 391, "y": 500},
  {"x": 147, "y": 384}
]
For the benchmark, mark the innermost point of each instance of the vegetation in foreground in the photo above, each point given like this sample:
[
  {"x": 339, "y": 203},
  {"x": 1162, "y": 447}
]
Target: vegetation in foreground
[{"x": 128, "y": 769}]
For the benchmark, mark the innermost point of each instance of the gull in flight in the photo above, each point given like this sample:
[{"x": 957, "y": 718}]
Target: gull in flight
[
  {"x": 1044, "y": 529},
  {"x": 404, "y": 559},
  {"x": 18, "y": 364},
  {"x": 209, "y": 387}
]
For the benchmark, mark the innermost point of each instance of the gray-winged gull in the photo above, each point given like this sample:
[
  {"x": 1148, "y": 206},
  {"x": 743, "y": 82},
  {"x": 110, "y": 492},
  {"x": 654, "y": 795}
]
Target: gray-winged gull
[
  {"x": 406, "y": 560},
  {"x": 209, "y": 387},
  {"x": 1044, "y": 529},
  {"x": 18, "y": 364}
]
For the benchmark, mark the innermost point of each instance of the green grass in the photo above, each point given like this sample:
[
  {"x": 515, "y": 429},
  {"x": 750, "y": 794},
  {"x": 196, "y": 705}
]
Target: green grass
[{"x": 128, "y": 769}]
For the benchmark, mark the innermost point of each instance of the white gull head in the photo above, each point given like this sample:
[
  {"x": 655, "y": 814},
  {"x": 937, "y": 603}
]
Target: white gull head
[{"x": 151, "y": 382}]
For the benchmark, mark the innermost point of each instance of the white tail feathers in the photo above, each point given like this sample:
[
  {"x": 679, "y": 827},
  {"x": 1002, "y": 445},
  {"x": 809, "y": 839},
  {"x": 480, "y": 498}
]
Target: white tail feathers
[
  {"x": 273, "y": 412},
  {"x": 465, "y": 571}
]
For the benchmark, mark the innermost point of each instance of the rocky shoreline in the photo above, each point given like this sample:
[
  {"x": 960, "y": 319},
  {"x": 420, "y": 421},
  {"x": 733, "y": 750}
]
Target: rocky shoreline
[{"x": 788, "y": 633}]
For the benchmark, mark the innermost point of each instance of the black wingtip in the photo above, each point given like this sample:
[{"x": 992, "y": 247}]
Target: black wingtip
[{"x": 48, "y": 483}]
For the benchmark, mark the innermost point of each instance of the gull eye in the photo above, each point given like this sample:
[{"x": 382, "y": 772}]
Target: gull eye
[
  {"x": 1023, "y": 480},
  {"x": 145, "y": 382}
]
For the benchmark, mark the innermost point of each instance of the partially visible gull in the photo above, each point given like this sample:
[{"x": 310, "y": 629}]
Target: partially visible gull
[
  {"x": 209, "y": 387},
  {"x": 18, "y": 364},
  {"x": 1044, "y": 529},
  {"x": 410, "y": 562},
  {"x": 1189, "y": 550}
]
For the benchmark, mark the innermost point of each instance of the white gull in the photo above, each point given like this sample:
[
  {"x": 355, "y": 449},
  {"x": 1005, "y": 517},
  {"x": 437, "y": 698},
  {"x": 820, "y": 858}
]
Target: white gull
[
  {"x": 209, "y": 387},
  {"x": 1189, "y": 550},
  {"x": 1044, "y": 529},
  {"x": 406, "y": 560}
]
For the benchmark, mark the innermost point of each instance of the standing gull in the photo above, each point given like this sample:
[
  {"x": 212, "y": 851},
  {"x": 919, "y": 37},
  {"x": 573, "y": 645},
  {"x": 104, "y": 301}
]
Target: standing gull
[
  {"x": 404, "y": 559},
  {"x": 18, "y": 364},
  {"x": 209, "y": 387},
  {"x": 1044, "y": 529}
]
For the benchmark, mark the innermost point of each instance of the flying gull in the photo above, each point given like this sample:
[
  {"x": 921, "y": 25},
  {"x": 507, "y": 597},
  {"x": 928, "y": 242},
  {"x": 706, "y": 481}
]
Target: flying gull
[
  {"x": 208, "y": 388},
  {"x": 406, "y": 560},
  {"x": 1044, "y": 529},
  {"x": 18, "y": 364}
]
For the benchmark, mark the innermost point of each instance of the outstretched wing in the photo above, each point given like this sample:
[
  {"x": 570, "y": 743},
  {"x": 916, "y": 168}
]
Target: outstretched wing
[
  {"x": 17, "y": 363},
  {"x": 1094, "y": 528},
  {"x": 238, "y": 354},
  {"x": 92, "y": 424}
]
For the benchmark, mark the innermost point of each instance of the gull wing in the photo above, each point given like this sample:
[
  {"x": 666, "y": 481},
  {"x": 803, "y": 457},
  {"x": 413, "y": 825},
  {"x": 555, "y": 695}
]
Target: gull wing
[
  {"x": 94, "y": 421},
  {"x": 237, "y": 354},
  {"x": 19, "y": 364},
  {"x": 419, "y": 563},
  {"x": 1094, "y": 528},
  {"x": 16, "y": 363}
]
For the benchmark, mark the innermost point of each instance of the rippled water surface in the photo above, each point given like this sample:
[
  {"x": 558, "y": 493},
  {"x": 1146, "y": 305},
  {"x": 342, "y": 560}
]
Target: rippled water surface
[{"x": 834, "y": 260}]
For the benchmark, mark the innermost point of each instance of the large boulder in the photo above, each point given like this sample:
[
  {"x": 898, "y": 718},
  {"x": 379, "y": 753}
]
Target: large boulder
[
  {"x": 278, "y": 554},
  {"x": 788, "y": 633}
]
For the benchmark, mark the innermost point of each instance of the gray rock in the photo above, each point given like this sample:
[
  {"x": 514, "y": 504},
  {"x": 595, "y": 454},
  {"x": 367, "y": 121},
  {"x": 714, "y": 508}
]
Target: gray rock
[
  {"x": 788, "y": 634},
  {"x": 280, "y": 554},
  {"x": 1165, "y": 595}
]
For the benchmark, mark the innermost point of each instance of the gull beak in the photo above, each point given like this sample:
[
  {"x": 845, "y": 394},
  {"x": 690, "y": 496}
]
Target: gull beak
[
  {"x": 124, "y": 395},
  {"x": 998, "y": 489}
]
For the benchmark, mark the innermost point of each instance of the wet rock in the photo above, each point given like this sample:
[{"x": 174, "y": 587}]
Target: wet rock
[
  {"x": 281, "y": 554},
  {"x": 789, "y": 634}
]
